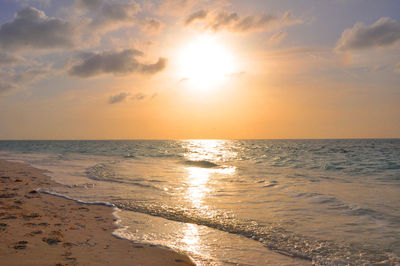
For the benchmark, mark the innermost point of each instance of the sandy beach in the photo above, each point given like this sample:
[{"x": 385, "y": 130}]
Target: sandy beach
[{"x": 37, "y": 228}]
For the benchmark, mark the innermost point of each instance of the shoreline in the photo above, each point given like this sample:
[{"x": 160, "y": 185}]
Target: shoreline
[{"x": 45, "y": 229}]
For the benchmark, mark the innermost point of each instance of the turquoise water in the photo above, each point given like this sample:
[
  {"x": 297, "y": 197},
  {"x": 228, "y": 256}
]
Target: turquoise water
[{"x": 329, "y": 201}]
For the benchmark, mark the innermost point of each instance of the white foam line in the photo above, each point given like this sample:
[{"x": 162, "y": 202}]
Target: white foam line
[
  {"x": 45, "y": 171},
  {"x": 115, "y": 209},
  {"x": 118, "y": 221},
  {"x": 79, "y": 201}
]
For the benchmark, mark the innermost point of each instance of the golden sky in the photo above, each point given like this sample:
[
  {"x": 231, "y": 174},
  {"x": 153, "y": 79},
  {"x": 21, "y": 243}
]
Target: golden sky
[{"x": 183, "y": 69}]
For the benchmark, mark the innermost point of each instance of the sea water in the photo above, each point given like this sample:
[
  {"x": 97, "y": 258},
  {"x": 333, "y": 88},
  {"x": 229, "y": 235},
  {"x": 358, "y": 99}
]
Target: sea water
[{"x": 233, "y": 201}]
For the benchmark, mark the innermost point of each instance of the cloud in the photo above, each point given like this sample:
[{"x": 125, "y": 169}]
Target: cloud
[
  {"x": 17, "y": 80},
  {"x": 124, "y": 96},
  {"x": 31, "y": 28},
  {"x": 151, "y": 25},
  {"x": 6, "y": 88},
  {"x": 89, "y": 4},
  {"x": 113, "y": 15},
  {"x": 116, "y": 63},
  {"x": 397, "y": 68},
  {"x": 42, "y": 3},
  {"x": 118, "y": 98},
  {"x": 139, "y": 96},
  {"x": 294, "y": 51},
  {"x": 224, "y": 20},
  {"x": 9, "y": 59},
  {"x": 277, "y": 37},
  {"x": 175, "y": 7},
  {"x": 383, "y": 33},
  {"x": 154, "y": 68},
  {"x": 31, "y": 75},
  {"x": 199, "y": 15}
]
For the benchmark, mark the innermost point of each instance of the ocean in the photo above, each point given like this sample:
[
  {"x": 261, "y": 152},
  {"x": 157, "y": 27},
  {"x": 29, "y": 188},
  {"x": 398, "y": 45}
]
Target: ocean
[{"x": 334, "y": 202}]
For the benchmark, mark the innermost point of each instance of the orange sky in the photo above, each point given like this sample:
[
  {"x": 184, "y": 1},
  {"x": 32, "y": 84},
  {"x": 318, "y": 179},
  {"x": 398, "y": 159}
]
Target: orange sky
[{"x": 199, "y": 69}]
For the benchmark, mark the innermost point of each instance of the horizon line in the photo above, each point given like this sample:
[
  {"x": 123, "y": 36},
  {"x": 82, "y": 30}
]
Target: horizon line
[{"x": 177, "y": 139}]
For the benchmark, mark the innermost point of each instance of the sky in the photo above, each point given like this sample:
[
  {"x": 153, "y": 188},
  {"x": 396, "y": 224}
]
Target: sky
[{"x": 188, "y": 69}]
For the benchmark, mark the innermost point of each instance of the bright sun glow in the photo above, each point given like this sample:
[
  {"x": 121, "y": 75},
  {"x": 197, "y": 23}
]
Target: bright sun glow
[{"x": 206, "y": 62}]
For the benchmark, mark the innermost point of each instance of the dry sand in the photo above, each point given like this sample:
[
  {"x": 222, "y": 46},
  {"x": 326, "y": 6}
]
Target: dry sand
[{"x": 41, "y": 229}]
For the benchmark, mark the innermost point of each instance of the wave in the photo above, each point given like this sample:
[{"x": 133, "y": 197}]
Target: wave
[
  {"x": 79, "y": 201},
  {"x": 201, "y": 164},
  {"x": 320, "y": 252},
  {"x": 105, "y": 173}
]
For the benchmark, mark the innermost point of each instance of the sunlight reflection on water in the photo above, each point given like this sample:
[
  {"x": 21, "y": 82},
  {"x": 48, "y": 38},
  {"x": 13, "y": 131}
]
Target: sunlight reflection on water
[
  {"x": 198, "y": 187},
  {"x": 208, "y": 150},
  {"x": 191, "y": 238},
  {"x": 200, "y": 180}
]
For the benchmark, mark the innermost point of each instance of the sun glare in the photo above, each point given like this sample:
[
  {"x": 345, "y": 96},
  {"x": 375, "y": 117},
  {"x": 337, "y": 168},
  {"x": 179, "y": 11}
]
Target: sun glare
[{"x": 206, "y": 62}]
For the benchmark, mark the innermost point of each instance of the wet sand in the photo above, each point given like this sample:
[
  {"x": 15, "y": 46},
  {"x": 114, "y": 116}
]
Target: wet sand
[{"x": 41, "y": 229}]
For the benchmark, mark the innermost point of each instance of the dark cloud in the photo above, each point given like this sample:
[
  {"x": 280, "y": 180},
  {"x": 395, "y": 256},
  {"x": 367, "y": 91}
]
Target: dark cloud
[
  {"x": 31, "y": 28},
  {"x": 383, "y": 33},
  {"x": 89, "y": 4},
  {"x": 20, "y": 78},
  {"x": 232, "y": 21},
  {"x": 199, "y": 15},
  {"x": 151, "y": 25},
  {"x": 116, "y": 63},
  {"x": 154, "y": 68},
  {"x": 31, "y": 75},
  {"x": 6, "y": 88},
  {"x": 9, "y": 59},
  {"x": 124, "y": 95},
  {"x": 118, "y": 98},
  {"x": 114, "y": 14}
]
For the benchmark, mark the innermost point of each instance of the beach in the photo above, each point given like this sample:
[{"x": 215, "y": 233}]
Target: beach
[
  {"x": 38, "y": 228},
  {"x": 219, "y": 202}
]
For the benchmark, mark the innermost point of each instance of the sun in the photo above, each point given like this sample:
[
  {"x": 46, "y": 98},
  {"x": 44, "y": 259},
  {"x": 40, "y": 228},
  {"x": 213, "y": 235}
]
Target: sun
[{"x": 205, "y": 62}]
